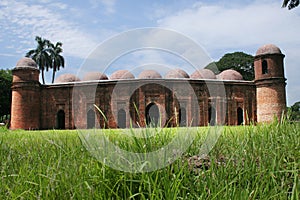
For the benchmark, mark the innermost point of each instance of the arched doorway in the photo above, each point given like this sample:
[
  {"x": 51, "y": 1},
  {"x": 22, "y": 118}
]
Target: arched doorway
[
  {"x": 240, "y": 116},
  {"x": 90, "y": 120},
  {"x": 211, "y": 116},
  {"x": 60, "y": 119},
  {"x": 152, "y": 115},
  {"x": 182, "y": 117},
  {"x": 121, "y": 118}
]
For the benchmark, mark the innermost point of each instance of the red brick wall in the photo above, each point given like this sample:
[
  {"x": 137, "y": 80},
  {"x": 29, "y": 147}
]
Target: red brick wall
[
  {"x": 275, "y": 66},
  {"x": 36, "y": 106},
  {"x": 271, "y": 101},
  {"x": 271, "y": 94},
  {"x": 25, "y": 113},
  {"x": 56, "y": 97}
]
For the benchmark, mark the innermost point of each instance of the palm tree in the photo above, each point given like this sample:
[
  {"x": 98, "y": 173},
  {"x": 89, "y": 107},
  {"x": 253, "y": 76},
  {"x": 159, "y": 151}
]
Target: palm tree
[
  {"x": 291, "y": 3},
  {"x": 40, "y": 55},
  {"x": 57, "y": 60}
]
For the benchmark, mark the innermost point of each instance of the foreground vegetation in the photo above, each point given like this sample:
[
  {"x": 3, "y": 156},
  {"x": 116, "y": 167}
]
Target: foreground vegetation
[{"x": 247, "y": 162}]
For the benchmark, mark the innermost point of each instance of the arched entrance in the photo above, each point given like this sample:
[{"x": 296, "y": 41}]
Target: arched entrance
[
  {"x": 152, "y": 115},
  {"x": 182, "y": 117},
  {"x": 240, "y": 116},
  {"x": 211, "y": 116},
  {"x": 90, "y": 120},
  {"x": 121, "y": 118},
  {"x": 60, "y": 119}
]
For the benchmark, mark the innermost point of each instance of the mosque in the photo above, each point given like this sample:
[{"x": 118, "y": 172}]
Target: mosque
[{"x": 177, "y": 99}]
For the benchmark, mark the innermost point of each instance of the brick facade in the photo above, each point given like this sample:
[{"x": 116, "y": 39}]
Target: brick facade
[
  {"x": 270, "y": 83},
  {"x": 133, "y": 102}
]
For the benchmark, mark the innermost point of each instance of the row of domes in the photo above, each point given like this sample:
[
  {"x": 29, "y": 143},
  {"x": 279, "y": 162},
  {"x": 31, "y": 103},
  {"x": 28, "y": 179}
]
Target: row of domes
[
  {"x": 152, "y": 74},
  {"x": 146, "y": 74}
]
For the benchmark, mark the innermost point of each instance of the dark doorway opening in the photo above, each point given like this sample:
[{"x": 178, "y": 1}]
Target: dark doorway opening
[
  {"x": 122, "y": 118},
  {"x": 90, "y": 120},
  {"x": 211, "y": 116},
  {"x": 60, "y": 119},
  {"x": 240, "y": 116},
  {"x": 152, "y": 115},
  {"x": 264, "y": 67}
]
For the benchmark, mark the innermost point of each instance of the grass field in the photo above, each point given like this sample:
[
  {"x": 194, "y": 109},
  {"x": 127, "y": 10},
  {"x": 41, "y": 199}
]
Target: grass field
[{"x": 247, "y": 162}]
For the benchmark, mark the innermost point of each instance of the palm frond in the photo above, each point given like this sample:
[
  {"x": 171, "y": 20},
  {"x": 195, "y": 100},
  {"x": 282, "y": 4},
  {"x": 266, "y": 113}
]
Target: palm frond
[
  {"x": 290, "y": 4},
  {"x": 285, "y": 3},
  {"x": 30, "y": 53}
]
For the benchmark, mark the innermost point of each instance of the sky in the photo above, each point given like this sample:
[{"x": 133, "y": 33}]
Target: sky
[{"x": 218, "y": 26}]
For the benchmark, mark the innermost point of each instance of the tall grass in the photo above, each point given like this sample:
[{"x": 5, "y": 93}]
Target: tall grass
[{"x": 247, "y": 162}]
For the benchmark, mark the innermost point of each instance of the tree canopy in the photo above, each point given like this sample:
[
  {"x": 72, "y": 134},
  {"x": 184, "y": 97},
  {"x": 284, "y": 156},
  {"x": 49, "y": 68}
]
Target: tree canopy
[
  {"x": 57, "y": 60},
  {"x": 5, "y": 97},
  {"x": 40, "y": 55},
  {"x": 239, "y": 61},
  {"x": 47, "y": 55},
  {"x": 295, "y": 111}
]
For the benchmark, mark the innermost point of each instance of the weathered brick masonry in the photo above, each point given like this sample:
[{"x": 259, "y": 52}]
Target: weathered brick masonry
[{"x": 176, "y": 100}]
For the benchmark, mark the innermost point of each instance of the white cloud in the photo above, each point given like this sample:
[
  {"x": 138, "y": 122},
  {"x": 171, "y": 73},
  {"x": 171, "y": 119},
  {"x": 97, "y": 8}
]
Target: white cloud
[
  {"x": 146, "y": 47},
  {"x": 219, "y": 27},
  {"x": 244, "y": 28},
  {"x": 25, "y": 21},
  {"x": 61, "y": 6}
]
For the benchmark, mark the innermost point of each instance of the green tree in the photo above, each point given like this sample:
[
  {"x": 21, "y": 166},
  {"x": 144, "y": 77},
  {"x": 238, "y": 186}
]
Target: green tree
[
  {"x": 57, "y": 60},
  {"x": 40, "y": 55},
  {"x": 290, "y": 4},
  {"x": 295, "y": 111},
  {"x": 47, "y": 55},
  {"x": 5, "y": 97},
  {"x": 238, "y": 61},
  {"x": 213, "y": 67}
]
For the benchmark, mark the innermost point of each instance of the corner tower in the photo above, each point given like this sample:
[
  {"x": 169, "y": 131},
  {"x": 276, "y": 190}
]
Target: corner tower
[
  {"x": 25, "y": 107},
  {"x": 270, "y": 83}
]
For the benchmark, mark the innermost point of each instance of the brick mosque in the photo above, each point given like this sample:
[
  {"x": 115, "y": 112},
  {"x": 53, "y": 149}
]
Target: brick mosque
[{"x": 149, "y": 98}]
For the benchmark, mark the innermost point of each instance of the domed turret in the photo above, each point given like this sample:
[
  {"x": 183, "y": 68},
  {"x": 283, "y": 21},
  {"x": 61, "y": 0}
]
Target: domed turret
[
  {"x": 25, "y": 106},
  {"x": 268, "y": 62},
  {"x": 268, "y": 49},
  {"x": 121, "y": 74},
  {"x": 270, "y": 83},
  {"x": 149, "y": 74},
  {"x": 26, "y": 70},
  {"x": 26, "y": 62},
  {"x": 177, "y": 73}
]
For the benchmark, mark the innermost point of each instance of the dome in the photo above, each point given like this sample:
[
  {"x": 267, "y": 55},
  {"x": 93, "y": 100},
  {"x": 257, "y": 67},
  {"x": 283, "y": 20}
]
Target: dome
[
  {"x": 268, "y": 49},
  {"x": 149, "y": 74},
  {"x": 64, "y": 78},
  {"x": 230, "y": 74},
  {"x": 26, "y": 62},
  {"x": 203, "y": 74},
  {"x": 122, "y": 74},
  {"x": 94, "y": 76},
  {"x": 177, "y": 73}
]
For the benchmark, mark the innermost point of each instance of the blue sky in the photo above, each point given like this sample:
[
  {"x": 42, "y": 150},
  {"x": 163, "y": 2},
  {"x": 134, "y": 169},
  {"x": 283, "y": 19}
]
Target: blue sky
[{"x": 218, "y": 26}]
